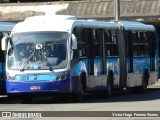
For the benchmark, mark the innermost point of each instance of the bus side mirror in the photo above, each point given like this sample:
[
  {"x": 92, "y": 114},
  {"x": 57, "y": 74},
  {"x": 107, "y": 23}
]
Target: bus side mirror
[
  {"x": 74, "y": 42},
  {"x": 71, "y": 54},
  {"x": 4, "y": 43}
]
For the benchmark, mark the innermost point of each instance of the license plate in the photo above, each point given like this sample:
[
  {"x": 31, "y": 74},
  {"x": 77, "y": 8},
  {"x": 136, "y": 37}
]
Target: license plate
[{"x": 35, "y": 87}]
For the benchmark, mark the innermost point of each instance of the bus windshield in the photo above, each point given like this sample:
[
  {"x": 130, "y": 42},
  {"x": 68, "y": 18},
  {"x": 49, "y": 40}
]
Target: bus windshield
[{"x": 38, "y": 50}]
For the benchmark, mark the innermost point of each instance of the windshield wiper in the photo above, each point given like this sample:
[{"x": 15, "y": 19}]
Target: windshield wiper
[
  {"x": 44, "y": 59},
  {"x": 25, "y": 63},
  {"x": 47, "y": 62}
]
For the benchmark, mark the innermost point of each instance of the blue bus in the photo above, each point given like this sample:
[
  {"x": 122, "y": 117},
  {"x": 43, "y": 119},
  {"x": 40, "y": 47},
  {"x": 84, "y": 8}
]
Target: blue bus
[
  {"x": 158, "y": 47},
  {"x": 140, "y": 55},
  {"x": 5, "y": 29},
  {"x": 61, "y": 55}
]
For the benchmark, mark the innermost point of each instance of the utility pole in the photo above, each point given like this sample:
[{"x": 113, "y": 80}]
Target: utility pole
[{"x": 117, "y": 10}]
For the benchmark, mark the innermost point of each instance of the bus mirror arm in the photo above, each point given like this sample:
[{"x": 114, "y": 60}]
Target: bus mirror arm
[
  {"x": 4, "y": 43},
  {"x": 71, "y": 54},
  {"x": 74, "y": 42}
]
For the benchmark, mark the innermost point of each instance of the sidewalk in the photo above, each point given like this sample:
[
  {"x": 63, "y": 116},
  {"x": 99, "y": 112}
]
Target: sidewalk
[
  {"x": 3, "y": 96},
  {"x": 156, "y": 85}
]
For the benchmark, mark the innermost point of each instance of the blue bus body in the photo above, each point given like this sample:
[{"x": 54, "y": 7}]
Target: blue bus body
[
  {"x": 65, "y": 55},
  {"x": 158, "y": 47},
  {"x": 45, "y": 86},
  {"x": 5, "y": 29},
  {"x": 141, "y": 56}
]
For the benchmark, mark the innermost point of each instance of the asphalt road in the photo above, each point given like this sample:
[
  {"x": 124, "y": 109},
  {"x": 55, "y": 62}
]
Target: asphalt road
[{"x": 126, "y": 101}]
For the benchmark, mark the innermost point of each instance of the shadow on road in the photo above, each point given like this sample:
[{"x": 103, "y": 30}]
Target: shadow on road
[{"x": 151, "y": 94}]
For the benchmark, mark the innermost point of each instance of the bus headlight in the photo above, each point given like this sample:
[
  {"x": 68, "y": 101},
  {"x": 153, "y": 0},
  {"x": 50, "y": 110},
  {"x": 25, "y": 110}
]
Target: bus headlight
[{"x": 61, "y": 77}]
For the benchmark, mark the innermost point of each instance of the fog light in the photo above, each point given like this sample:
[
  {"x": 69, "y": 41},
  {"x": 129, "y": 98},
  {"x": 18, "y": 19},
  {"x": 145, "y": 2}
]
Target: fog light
[
  {"x": 63, "y": 77},
  {"x": 58, "y": 78}
]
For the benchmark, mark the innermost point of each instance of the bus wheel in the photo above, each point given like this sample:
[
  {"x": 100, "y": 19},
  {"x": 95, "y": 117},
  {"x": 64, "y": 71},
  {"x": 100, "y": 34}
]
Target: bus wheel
[
  {"x": 143, "y": 88},
  {"x": 109, "y": 87},
  {"x": 79, "y": 96}
]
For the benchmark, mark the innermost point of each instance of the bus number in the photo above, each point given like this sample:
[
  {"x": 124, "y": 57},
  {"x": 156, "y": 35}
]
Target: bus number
[{"x": 24, "y": 78}]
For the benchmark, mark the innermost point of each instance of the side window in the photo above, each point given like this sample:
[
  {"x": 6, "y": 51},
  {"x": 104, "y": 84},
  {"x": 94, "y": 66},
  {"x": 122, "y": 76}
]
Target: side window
[
  {"x": 2, "y": 58},
  {"x": 152, "y": 44},
  {"x": 97, "y": 37},
  {"x": 128, "y": 44},
  {"x": 2, "y": 34},
  {"x": 81, "y": 43},
  {"x": 140, "y": 44},
  {"x": 111, "y": 42},
  {"x": 142, "y": 37},
  {"x": 135, "y": 43},
  {"x": 143, "y": 44},
  {"x": 107, "y": 36}
]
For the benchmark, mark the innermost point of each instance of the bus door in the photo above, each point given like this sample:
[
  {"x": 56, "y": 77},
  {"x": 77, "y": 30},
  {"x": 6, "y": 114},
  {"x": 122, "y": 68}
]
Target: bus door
[
  {"x": 90, "y": 54},
  {"x": 158, "y": 48},
  {"x": 99, "y": 59},
  {"x": 129, "y": 49},
  {"x": 153, "y": 58},
  {"x": 122, "y": 58},
  {"x": 2, "y": 69},
  {"x": 100, "y": 50}
]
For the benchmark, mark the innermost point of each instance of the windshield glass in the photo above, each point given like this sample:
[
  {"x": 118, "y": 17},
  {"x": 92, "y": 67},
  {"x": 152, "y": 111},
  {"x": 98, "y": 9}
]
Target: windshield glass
[{"x": 38, "y": 50}]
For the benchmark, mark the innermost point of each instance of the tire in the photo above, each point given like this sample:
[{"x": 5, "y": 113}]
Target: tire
[
  {"x": 143, "y": 88},
  {"x": 109, "y": 88},
  {"x": 79, "y": 96}
]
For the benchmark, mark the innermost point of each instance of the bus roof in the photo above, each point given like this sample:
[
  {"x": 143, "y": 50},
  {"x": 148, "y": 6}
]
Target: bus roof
[
  {"x": 95, "y": 24},
  {"x": 6, "y": 26},
  {"x": 131, "y": 25},
  {"x": 66, "y": 23},
  {"x": 58, "y": 23}
]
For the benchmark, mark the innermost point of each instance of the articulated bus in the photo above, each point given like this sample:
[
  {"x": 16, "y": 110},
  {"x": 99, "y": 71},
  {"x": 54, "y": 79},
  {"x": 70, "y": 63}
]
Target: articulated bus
[
  {"x": 158, "y": 47},
  {"x": 5, "y": 29},
  {"x": 63, "y": 55}
]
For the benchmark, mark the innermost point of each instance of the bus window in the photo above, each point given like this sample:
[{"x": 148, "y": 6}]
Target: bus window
[
  {"x": 107, "y": 36},
  {"x": 140, "y": 44},
  {"x": 114, "y": 36},
  {"x": 2, "y": 34},
  {"x": 96, "y": 38},
  {"x": 134, "y": 37},
  {"x": 152, "y": 46},
  {"x": 111, "y": 43},
  {"x": 142, "y": 37},
  {"x": 128, "y": 44},
  {"x": 79, "y": 33}
]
